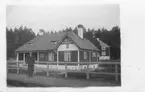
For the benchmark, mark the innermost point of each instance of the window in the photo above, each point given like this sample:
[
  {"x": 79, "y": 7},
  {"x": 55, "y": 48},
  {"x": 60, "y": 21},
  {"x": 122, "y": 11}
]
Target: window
[
  {"x": 41, "y": 55},
  {"x": 93, "y": 54},
  {"x": 31, "y": 42},
  {"x": 85, "y": 55},
  {"x": 51, "y": 56},
  {"x": 103, "y": 53},
  {"x": 21, "y": 56},
  {"x": 53, "y": 42},
  {"x": 103, "y": 48},
  {"x": 67, "y": 56},
  {"x": 67, "y": 45}
]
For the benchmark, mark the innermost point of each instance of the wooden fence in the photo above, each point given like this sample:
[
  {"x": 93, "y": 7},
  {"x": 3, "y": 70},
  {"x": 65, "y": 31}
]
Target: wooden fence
[{"x": 88, "y": 71}]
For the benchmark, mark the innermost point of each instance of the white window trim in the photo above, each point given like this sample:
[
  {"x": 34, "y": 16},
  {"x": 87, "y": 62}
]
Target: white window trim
[
  {"x": 67, "y": 56},
  {"x": 103, "y": 48},
  {"x": 103, "y": 53}
]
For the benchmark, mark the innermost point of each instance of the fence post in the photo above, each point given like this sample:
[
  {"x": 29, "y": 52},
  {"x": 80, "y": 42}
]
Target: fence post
[
  {"x": 47, "y": 73},
  {"x": 116, "y": 72},
  {"x": 65, "y": 70},
  {"x": 17, "y": 67},
  {"x": 87, "y": 74}
]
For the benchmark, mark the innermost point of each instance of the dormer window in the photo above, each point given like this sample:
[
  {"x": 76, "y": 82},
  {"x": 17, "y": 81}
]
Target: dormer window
[
  {"x": 30, "y": 43},
  {"x": 53, "y": 42}
]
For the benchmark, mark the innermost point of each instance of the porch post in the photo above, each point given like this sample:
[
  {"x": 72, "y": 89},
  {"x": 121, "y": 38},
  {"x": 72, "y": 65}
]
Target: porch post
[
  {"x": 17, "y": 63},
  {"x": 17, "y": 56},
  {"x": 89, "y": 56},
  {"x": 24, "y": 57},
  {"x": 78, "y": 57},
  {"x": 88, "y": 66},
  {"x": 90, "y": 59},
  {"x": 109, "y": 53},
  {"x": 57, "y": 57},
  {"x": 37, "y": 56}
]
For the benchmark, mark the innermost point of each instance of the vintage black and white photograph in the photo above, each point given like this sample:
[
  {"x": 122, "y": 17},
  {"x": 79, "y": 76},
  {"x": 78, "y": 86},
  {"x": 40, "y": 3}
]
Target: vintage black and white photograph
[{"x": 63, "y": 45}]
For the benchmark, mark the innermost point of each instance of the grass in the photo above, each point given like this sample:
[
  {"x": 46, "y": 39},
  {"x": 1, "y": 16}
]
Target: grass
[{"x": 71, "y": 75}]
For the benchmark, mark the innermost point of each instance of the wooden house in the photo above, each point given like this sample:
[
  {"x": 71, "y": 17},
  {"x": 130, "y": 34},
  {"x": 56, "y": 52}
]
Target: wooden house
[
  {"x": 60, "y": 47},
  {"x": 104, "y": 50}
]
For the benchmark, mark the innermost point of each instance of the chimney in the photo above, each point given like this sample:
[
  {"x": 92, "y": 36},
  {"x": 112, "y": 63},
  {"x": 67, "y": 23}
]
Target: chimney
[{"x": 80, "y": 29}]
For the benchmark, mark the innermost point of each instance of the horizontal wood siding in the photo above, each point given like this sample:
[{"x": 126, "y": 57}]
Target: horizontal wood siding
[
  {"x": 61, "y": 56},
  {"x": 74, "y": 56}
]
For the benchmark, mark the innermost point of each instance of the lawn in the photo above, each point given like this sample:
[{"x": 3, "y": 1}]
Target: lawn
[{"x": 73, "y": 75}]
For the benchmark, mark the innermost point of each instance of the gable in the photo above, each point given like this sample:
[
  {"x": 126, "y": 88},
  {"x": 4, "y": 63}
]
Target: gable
[
  {"x": 67, "y": 44},
  {"x": 67, "y": 40},
  {"x": 80, "y": 43},
  {"x": 102, "y": 44}
]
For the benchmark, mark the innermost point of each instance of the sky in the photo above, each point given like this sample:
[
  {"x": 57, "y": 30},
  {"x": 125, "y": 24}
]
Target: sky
[{"x": 58, "y": 17}]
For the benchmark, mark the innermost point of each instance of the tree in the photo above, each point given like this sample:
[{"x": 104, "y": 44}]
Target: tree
[
  {"x": 42, "y": 32},
  {"x": 17, "y": 37},
  {"x": 112, "y": 38}
]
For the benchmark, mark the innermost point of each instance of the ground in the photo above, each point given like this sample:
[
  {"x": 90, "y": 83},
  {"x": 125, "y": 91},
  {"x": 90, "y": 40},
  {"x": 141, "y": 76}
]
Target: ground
[
  {"x": 57, "y": 79},
  {"x": 41, "y": 80}
]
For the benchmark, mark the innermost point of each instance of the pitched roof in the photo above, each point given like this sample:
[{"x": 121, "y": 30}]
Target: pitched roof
[
  {"x": 82, "y": 43},
  {"x": 43, "y": 42},
  {"x": 103, "y": 44}
]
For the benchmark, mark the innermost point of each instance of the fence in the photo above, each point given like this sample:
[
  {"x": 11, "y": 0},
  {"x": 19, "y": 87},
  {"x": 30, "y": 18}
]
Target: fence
[{"x": 87, "y": 70}]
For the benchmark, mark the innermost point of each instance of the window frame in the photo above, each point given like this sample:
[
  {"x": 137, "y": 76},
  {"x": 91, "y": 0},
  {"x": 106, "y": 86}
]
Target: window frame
[
  {"x": 93, "y": 54},
  {"x": 67, "y": 45},
  {"x": 103, "y": 48},
  {"x": 51, "y": 56},
  {"x": 103, "y": 53},
  {"x": 41, "y": 55},
  {"x": 67, "y": 56},
  {"x": 53, "y": 42}
]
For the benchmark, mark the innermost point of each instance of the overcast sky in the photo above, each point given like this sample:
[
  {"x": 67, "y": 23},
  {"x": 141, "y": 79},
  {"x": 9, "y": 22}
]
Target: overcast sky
[{"x": 62, "y": 16}]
